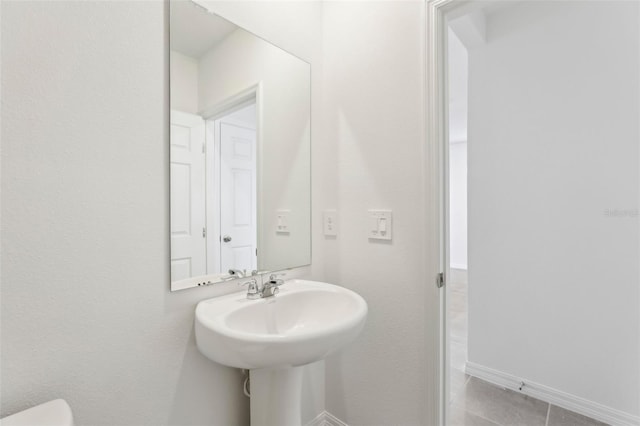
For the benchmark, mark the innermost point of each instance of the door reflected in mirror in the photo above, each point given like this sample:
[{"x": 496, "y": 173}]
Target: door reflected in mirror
[{"x": 239, "y": 151}]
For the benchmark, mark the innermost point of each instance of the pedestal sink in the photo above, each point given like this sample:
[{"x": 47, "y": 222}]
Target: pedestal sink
[{"x": 274, "y": 337}]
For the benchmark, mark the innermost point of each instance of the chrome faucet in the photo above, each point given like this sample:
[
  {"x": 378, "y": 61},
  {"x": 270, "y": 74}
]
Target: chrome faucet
[
  {"x": 268, "y": 289},
  {"x": 253, "y": 291}
]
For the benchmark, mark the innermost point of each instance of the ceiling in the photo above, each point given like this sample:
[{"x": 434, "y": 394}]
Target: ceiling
[{"x": 194, "y": 31}]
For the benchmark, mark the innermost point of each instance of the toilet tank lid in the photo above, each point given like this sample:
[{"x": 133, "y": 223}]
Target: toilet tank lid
[{"x": 52, "y": 413}]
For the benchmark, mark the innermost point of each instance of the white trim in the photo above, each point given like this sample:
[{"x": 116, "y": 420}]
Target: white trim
[
  {"x": 233, "y": 103},
  {"x": 326, "y": 419},
  {"x": 212, "y": 155},
  {"x": 436, "y": 171},
  {"x": 553, "y": 396},
  {"x": 260, "y": 149},
  {"x": 437, "y": 371}
]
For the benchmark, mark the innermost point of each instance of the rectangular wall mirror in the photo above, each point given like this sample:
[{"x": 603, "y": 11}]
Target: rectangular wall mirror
[{"x": 240, "y": 151}]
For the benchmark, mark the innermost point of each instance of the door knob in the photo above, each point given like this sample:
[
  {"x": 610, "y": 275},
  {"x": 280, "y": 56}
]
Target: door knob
[{"x": 226, "y": 238}]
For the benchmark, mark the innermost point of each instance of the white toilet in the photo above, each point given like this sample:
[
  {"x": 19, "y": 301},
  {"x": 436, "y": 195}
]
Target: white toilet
[{"x": 52, "y": 413}]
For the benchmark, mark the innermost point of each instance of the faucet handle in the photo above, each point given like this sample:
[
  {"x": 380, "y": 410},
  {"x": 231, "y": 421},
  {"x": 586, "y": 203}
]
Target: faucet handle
[
  {"x": 252, "y": 282},
  {"x": 238, "y": 273},
  {"x": 273, "y": 278},
  {"x": 252, "y": 289}
]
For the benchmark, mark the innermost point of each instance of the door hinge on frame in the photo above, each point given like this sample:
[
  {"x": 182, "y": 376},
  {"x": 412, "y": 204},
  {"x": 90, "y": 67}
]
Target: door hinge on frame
[
  {"x": 204, "y": 232},
  {"x": 440, "y": 280}
]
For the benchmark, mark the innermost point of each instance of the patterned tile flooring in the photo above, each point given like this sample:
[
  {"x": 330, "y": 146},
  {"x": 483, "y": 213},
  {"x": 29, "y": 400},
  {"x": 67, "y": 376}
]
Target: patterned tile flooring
[{"x": 474, "y": 402}]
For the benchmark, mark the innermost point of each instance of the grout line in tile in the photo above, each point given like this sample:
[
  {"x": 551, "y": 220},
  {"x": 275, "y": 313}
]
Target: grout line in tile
[
  {"x": 546, "y": 423},
  {"x": 467, "y": 381},
  {"x": 475, "y": 413},
  {"x": 454, "y": 395},
  {"x": 484, "y": 418}
]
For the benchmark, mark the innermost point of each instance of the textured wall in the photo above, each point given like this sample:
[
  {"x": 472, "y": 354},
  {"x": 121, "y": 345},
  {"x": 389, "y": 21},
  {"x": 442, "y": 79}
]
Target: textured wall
[
  {"x": 86, "y": 313},
  {"x": 86, "y": 310},
  {"x": 374, "y": 119}
]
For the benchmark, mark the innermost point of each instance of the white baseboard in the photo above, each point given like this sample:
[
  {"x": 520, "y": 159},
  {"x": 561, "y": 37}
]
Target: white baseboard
[
  {"x": 553, "y": 396},
  {"x": 326, "y": 419}
]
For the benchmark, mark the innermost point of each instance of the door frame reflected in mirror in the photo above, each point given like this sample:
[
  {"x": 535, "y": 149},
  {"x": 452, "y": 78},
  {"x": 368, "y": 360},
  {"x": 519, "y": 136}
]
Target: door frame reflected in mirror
[{"x": 212, "y": 229}]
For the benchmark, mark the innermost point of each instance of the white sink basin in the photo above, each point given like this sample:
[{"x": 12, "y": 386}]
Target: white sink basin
[{"x": 304, "y": 323}]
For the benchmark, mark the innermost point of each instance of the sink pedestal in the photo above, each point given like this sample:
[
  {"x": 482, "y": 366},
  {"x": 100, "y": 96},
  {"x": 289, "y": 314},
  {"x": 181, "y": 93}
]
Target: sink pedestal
[{"x": 276, "y": 396}]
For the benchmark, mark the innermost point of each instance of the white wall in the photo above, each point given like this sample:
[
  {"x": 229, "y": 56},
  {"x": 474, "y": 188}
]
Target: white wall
[
  {"x": 553, "y": 144},
  {"x": 86, "y": 310},
  {"x": 458, "y": 76},
  {"x": 184, "y": 82},
  {"x": 236, "y": 63},
  {"x": 458, "y": 205},
  {"x": 374, "y": 116}
]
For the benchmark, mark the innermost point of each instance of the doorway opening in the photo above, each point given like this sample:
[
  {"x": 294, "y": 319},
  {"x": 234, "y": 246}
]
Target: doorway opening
[
  {"x": 458, "y": 283},
  {"x": 231, "y": 181},
  {"x": 214, "y": 164},
  {"x": 535, "y": 162}
]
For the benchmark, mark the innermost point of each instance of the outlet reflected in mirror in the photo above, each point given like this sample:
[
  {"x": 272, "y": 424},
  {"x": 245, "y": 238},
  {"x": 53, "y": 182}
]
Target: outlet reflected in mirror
[{"x": 239, "y": 151}]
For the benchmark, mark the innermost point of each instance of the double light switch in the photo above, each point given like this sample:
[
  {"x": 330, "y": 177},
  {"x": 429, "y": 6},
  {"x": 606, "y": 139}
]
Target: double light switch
[{"x": 380, "y": 224}]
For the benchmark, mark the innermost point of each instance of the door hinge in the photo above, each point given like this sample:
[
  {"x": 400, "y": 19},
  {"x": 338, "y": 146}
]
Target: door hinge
[
  {"x": 440, "y": 281},
  {"x": 204, "y": 232}
]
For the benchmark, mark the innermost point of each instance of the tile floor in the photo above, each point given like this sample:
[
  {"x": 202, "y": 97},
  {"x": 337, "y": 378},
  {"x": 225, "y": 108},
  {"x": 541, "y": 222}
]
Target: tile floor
[{"x": 474, "y": 402}]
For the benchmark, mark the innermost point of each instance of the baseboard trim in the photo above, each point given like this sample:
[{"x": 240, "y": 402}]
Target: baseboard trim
[
  {"x": 326, "y": 419},
  {"x": 553, "y": 396}
]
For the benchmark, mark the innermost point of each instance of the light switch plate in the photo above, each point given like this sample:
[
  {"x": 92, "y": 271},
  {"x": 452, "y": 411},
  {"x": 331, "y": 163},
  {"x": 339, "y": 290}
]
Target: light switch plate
[
  {"x": 379, "y": 224},
  {"x": 330, "y": 223},
  {"x": 282, "y": 221}
]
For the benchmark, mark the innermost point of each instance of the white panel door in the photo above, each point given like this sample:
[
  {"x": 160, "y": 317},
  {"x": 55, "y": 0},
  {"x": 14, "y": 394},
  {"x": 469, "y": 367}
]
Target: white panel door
[
  {"x": 188, "y": 249},
  {"x": 237, "y": 197}
]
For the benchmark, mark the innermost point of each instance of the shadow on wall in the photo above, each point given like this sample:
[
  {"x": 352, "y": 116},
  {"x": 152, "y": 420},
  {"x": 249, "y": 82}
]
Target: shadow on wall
[
  {"x": 336, "y": 399},
  {"x": 203, "y": 383}
]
